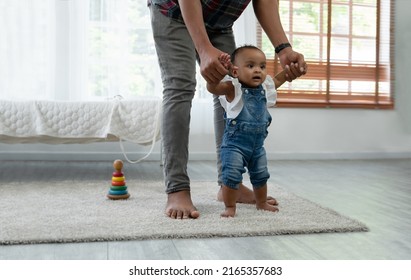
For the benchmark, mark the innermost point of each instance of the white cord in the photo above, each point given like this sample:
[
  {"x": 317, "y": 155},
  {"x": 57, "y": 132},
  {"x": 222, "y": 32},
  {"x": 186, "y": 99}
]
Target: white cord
[{"x": 157, "y": 120}]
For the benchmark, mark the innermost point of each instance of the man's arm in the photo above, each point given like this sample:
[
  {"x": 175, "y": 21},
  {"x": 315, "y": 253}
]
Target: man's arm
[
  {"x": 211, "y": 68},
  {"x": 267, "y": 13}
]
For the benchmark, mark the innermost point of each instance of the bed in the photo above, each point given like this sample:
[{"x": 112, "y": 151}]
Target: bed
[{"x": 65, "y": 122}]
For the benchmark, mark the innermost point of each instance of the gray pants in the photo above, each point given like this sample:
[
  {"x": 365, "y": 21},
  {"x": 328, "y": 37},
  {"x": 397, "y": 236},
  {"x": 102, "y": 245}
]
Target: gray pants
[{"x": 177, "y": 58}]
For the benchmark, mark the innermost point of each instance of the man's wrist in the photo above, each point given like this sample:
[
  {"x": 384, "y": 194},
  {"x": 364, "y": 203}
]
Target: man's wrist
[{"x": 282, "y": 46}]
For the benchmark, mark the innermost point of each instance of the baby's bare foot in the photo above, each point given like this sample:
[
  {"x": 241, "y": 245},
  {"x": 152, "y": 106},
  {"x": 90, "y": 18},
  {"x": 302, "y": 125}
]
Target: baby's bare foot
[
  {"x": 180, "y": 206},
  {"x": 266, "y": 207},
  {"x": 246, "y": 196},
  {"x": 229, "y": 212}
]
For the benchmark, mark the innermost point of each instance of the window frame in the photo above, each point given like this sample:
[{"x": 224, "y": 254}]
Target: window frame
[{"x": 326, "y": 98}]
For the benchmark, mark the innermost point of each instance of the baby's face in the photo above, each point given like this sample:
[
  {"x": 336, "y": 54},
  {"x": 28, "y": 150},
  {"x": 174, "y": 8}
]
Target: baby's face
[{"x": 252, "y": 69}]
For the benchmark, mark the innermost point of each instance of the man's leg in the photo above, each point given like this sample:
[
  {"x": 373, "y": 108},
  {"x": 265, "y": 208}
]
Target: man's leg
[
  {"x": 224, "y": 42},
  {"x": 176, "y": 55}
]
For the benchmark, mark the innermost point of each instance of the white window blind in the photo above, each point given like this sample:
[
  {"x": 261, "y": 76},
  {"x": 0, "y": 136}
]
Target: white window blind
[{"x": 348, "y": 45}]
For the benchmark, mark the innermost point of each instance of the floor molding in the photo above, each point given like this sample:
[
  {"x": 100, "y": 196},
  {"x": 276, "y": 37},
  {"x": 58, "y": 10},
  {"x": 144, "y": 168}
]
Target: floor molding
[{"x": 156, "y": 156}]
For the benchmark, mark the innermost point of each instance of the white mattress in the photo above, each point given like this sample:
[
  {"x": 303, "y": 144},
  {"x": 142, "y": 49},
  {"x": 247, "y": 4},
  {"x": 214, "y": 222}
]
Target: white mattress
[{"x": 59, "y": 122}]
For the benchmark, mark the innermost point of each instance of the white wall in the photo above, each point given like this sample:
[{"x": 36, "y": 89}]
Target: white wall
[
  {"x": 295, "y": 133},
  {"x": 403, "y": 61}
]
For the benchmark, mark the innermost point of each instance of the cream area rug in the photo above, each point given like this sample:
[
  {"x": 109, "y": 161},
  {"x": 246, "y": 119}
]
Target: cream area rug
[{"x": 79, "y": 211}]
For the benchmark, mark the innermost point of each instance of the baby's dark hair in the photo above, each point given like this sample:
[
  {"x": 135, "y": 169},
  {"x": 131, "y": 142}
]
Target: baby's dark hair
[{"x": 239, "y": 49}]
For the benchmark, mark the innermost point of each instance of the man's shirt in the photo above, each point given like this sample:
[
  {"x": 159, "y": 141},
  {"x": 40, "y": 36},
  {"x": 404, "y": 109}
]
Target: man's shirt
[{"x": 218, "y": 15}]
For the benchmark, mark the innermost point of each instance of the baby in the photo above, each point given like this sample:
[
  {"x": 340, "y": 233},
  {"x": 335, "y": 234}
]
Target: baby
[{"x": 245, "y": 98}]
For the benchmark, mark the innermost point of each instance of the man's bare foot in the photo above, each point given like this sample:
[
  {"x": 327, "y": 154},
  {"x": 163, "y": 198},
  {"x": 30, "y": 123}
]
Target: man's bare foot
[
  {"x": 267, "y": 207},
  {"x": 180, "y": 206},
  {"x": 228, "y": 212},
  {"x": 246, "y": 196}
]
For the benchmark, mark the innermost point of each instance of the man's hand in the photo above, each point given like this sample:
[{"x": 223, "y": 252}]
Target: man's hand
[
  {"x": 293, "y": 64},
  {"x": 211, "y": 67}
]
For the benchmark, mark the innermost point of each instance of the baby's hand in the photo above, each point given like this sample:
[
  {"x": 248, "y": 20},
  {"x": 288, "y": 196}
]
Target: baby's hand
[{"x": 225, "y": 60}]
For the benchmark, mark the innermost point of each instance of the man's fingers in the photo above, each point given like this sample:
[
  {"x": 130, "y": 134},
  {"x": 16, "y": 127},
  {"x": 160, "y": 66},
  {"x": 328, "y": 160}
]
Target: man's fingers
[
  {"x": 303, "y": 68},
  {"x": 292, "y": 72},
  {"x": 214, "y": 73}
]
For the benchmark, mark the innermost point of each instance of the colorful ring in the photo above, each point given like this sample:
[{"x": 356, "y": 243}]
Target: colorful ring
[
  {"x": 118, "y": 179},
  {"x": 118, "y": 174},
  {"x": 118, "y": 184},
  {"x": 119, "y": 188},
  {"x": 111, "y": 192}
]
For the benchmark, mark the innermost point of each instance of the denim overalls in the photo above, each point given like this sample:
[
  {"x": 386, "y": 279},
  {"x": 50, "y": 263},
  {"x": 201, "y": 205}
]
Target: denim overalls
[{"x": 243, "y": 141}]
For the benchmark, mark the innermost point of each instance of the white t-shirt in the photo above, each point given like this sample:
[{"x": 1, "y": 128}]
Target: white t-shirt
[{"x": 234, "y": 107}]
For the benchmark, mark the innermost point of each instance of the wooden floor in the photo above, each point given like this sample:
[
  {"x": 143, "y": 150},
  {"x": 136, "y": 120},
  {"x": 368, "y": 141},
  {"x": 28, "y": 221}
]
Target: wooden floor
[{"x": 376, "y": 192}]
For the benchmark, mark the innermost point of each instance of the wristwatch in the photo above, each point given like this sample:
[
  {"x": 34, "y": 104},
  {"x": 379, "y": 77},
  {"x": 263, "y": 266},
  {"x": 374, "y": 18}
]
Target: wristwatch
[{"x": 282, "y": 46}]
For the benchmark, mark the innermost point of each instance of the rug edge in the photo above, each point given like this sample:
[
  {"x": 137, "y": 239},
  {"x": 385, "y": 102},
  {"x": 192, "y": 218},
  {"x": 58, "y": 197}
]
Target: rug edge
[{"x": 360, "y": 228}]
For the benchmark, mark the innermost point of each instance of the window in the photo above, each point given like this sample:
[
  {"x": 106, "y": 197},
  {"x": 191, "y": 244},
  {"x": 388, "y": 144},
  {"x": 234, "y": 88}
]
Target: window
[
  {"x": 348, "y": 47},
  {"x": 26, "y": 49},
  {"x": 76, "y": 50},
  {"x": 122, "y": 59}
]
